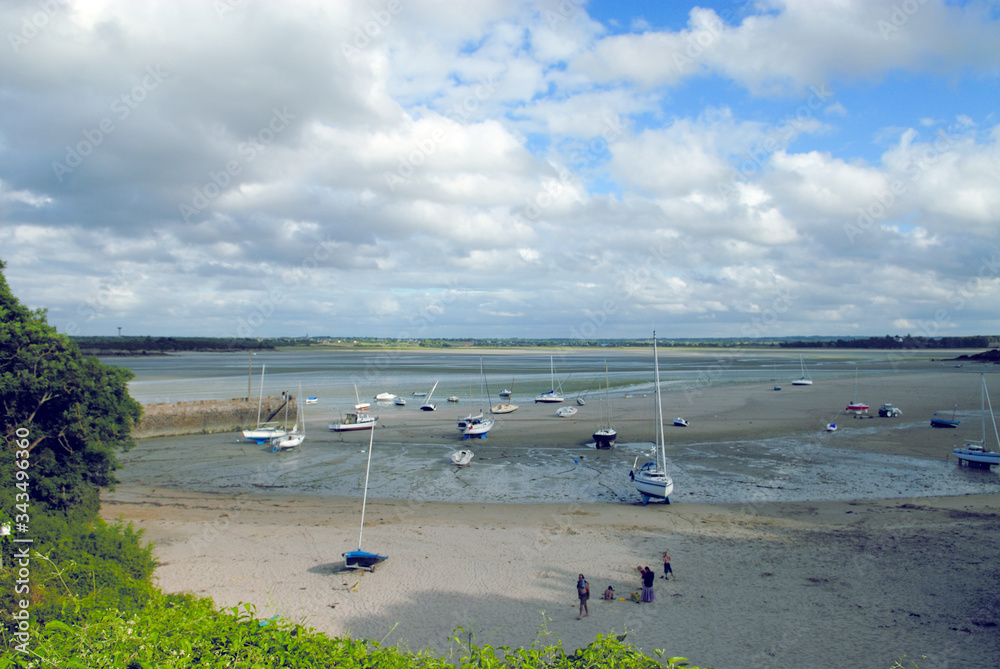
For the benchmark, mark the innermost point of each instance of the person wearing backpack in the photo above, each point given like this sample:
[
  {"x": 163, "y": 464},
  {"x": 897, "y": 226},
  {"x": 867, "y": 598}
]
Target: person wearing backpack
[{"x": 583, "y": 592}]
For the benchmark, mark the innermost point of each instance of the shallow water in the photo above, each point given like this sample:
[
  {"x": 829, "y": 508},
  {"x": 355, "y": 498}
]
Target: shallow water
[{"x": 782, "y": 469}]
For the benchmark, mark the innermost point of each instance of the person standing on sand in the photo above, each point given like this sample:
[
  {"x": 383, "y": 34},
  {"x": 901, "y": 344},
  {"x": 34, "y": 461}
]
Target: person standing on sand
[
  {"x": 667, "y": 569},
  {"x": 648, "y": 577},
  {"x": 583, "y": 592}
]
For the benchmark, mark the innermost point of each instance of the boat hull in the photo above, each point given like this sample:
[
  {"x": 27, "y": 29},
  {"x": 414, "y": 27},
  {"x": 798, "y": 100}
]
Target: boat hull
[
  {"x": 264, "y": 434},
  {"x": 942, "y": 422},
  {"x": 354, "y": 422},
  {"x": 977, "y": 456},
  {"x": 288, "y": 442},
  {"x": 653, "y": 482},
  {"x": 605, "y": 438},
  {"x": 504, "y": 408},
  {"x": 363, "y": 560}
]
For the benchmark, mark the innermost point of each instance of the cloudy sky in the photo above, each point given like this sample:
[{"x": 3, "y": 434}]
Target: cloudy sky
[{"x": 432, "y": 168}]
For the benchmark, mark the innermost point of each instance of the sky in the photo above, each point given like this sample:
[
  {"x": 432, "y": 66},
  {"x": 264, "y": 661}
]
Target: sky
[{"x": 542, "y": 169}]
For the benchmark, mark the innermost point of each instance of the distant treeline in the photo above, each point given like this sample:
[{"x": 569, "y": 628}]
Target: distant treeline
[
  {"x": 147, "y": 345},
  {"x": 890, "y": 342}
]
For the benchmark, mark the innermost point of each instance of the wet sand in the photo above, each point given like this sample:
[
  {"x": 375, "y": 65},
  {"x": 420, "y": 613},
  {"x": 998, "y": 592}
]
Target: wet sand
[{"x": 760, "y": 582}]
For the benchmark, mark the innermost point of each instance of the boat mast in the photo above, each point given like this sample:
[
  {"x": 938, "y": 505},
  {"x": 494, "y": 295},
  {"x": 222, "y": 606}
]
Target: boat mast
[
  {"x": 659, "y": 405},
  {"x": 261, "y": 400},
  {"x": 364, "y": 498}
]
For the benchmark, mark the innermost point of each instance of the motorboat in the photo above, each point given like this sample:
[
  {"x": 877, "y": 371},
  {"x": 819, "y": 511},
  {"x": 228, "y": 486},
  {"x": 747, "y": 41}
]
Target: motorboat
[
  {"x": 550, "y": 396},
  {"x": 605, "y": 436},
  {"x": 453, "y": 399},
  {"x": 359, "y": 420},
  {"x": 566, "y": 412},
  {"x": 385, "y": 397},
  {"x": 400, "y": 402},
  {"x": 651, "y": 479},
  {"x": 938, "y": 421},
  {"x": 831, "y": 427},
  {"x": 505, "y": 393},
  {"x": 462, "y": 458},
  {"x": 974, "y": 453},
  {"x": 312, "y": 400},
  {"x": 680, "y": 422}
]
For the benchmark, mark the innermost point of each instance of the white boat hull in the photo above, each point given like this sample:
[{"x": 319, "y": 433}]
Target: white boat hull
[
  {"x": 605, "y": 437},
  {"x": 478, "y": 428},
  {"x": 355, "y": 422},
  {"x": 565, "y": 412},
  {"x": 264, "y": 433},
  {"x": 652, "y": 481},
  {"x": 461, "y": 458},
  {"x": 974, "y": 454},
  {"x": 680, "y": 422},
  {"x": 288, "y": 442}
]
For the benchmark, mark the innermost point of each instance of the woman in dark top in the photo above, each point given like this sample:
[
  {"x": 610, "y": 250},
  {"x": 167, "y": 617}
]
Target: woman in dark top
[{"x": 648, "y": 577}]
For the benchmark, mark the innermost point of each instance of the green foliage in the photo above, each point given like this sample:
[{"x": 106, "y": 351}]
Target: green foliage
[
  {"x": 75, "y": 411},
  {"x": 175, "y": 631}
]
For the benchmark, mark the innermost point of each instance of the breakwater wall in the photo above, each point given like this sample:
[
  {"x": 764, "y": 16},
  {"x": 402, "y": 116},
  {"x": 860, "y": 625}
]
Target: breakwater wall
[{"x": 206, "y": 416}]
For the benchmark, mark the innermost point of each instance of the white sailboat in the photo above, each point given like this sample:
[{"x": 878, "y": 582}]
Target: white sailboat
[
  {"x": 264, "y": 431},
  {"x": 651, "y": 479},
  {"x": 360, "y": 559},
  {"x": 550, "y": 396},
  {"x": 605, "y": 436},
  {"x": 477, "y": 425},
  {"x": 294, "y": 438},
  {"x": 427, "y": 406},
  {"x": 804, "y": 381},
  {"x": 974, "y": 453}
]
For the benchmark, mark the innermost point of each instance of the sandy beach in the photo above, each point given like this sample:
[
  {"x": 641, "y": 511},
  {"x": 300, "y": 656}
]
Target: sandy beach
[{"x": 817, "y": 583}]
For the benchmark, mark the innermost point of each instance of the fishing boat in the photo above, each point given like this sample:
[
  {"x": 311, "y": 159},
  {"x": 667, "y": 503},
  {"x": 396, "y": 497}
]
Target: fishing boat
[
  {"x": 462, "y": 458},
  {"x": 427, "y": 405},
  {"x": 651, "y": 479},
  {"x": 804, "y": 380},
  {"x": 264, "y": 432},
  {"x": 974, "y": 453},
  {"x": 477, "y": 425},
  {"x": 298, "y": 434},
  {"x": 565, "y": 412},
  {"x": 605, "y": 436},
  {"x": 938, "y": 421},
  {"x": 505, "y": 407},
  {"x": 360, "y": 419},
  {"x": 550, "y": 396},
  {"x": 360, "y": 559}
]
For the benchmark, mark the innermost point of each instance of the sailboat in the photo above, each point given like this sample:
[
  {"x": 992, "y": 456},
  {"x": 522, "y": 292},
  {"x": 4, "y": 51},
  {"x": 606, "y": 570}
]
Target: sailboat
[
  {"x": 505, "y": 407},
  {"x": 604, "y": 436},
  {"x": 550, "y": 396},
  {"x": 359, "y": 420},
  {"x": 974, "y": 453},
  {"x": 804, "y": 381},
  {"x": 360, "y": 559},
  {"x": 427, "y": 406},
  {"x": 856, "y": 405},
  {"x": 295, "y": 437},
  {"x": 652, "y": 480},
  {"x": 477, "y": 426},
  {"x": 264, "y": 431}
]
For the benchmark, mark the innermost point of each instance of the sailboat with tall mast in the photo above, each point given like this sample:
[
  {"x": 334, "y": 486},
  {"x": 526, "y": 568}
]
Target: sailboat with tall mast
[
  {"x": 550, "y": 396},
  {"x": 604, "y": 436},
  {"x": 804, "y": 380},
  {"x": 360, "y": 559},
  {"x": 856, "y": 405},
  {"x": 477, "y": 425},
  {"x": 297, "y": 435},
  {"x": 974, "y": 453},
  {"x": 651, "y": 479},
  {"x": 264, "y": 431}
]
